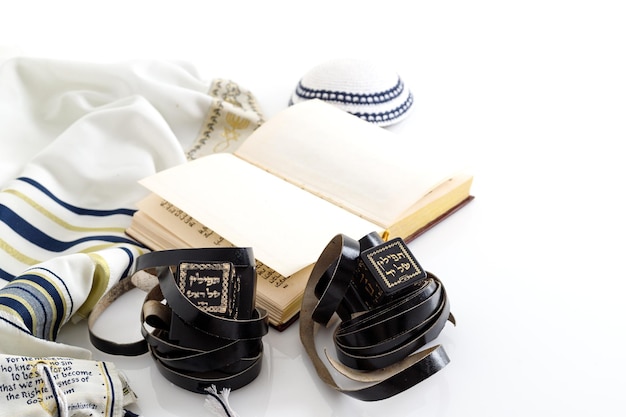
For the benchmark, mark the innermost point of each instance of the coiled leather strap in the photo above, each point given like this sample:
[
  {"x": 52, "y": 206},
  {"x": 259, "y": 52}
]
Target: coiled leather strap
[
  {"x": 379, "y": 346},
  {"x": 192, "y": 347}
]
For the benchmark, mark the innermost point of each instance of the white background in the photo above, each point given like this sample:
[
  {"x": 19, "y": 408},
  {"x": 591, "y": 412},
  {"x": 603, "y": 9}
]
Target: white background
[{"x": 532, "y": 94}]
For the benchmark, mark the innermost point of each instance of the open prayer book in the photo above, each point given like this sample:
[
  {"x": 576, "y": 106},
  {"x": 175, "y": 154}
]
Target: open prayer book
[{"x": 307, "y": 174}]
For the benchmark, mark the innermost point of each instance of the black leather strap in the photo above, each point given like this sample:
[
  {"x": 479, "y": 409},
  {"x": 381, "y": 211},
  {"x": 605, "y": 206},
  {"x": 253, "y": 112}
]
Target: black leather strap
[
  {"x": 199, "y": 382},
  {"x": 108, "y": 346},
  {"x": 335, "y": 276},
  {"x": 231, "y": 363},
  {"x": 379, "y": 346},
  {"x": 191, "y": 346}
]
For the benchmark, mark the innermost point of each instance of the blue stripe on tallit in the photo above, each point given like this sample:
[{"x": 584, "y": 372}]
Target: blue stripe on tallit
[
  {"x": 6, "y": 276},
  {"x": 19, "y": 308},
  {"x": 13, "y": 324},
  {"x": 72, "y": 208},
  {"x": 37, "y": 303},
  {"x": 41, "y": 239},
  {"x": 51, "y": 291},
  {"x": 131, "y": 260},
  {"x": 67, "y": 290},
  {"x": 111, "y": 389}
]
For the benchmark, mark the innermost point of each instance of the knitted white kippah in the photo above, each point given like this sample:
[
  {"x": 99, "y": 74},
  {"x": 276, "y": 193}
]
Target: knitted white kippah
[{"x": 365, "y": 89}]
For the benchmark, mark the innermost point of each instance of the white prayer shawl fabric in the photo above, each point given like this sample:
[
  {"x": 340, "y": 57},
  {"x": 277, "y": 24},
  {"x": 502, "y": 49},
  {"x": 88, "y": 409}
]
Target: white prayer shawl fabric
[{"x": 75, "y": 138}]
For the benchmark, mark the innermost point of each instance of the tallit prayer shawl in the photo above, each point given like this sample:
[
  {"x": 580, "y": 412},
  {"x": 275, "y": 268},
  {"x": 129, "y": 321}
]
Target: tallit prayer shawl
[{"x": 75, "y": 138}]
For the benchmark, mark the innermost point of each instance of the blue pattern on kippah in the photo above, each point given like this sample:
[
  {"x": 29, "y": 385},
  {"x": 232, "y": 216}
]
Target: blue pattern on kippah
[
  {"x": 342, "y": 97},
  {"x": 348, "y": 97},
  {"x": 389, "y": 115}
]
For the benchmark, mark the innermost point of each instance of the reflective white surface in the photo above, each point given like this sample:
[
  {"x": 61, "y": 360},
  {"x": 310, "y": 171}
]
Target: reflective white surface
[{"x": 531, "y": 94}]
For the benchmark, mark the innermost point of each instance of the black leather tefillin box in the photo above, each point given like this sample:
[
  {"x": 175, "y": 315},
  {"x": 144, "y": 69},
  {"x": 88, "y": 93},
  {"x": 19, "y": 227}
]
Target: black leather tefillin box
[
  {"x": 218, "y": 288},
  {"x": 385, "y": 271}
]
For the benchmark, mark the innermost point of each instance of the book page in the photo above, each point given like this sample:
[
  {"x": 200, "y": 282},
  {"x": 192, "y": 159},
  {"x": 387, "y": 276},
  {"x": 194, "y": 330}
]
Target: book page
[
  {"x": 184, "y": 231},
  {"x": 357, "y": 165},
  {"x": 286, "y": 226}
]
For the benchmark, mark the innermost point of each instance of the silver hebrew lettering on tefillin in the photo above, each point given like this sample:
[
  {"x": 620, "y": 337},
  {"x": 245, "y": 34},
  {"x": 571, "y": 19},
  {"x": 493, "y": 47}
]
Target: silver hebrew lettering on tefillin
[{"x": 206, "y": 284}]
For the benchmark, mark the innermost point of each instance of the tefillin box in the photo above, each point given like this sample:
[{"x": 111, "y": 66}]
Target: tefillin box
[{"x": 385, "y": 271}]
